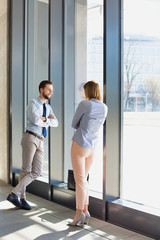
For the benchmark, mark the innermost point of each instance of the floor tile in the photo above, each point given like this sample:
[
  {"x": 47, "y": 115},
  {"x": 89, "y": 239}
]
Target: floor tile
[
  {"x": 5, "y": 189},
  {"x": 138, "y": 237},
  {"x": 49, "y": 221},
  {"x": 113, "y": 232}
]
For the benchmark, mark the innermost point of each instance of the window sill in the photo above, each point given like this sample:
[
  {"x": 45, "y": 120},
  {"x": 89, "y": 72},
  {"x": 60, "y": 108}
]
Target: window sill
[{"x": 138, "y": 207}]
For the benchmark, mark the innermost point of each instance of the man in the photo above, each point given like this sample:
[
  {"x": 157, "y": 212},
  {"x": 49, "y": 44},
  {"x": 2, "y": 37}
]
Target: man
[{"x": 40, "y": 117}]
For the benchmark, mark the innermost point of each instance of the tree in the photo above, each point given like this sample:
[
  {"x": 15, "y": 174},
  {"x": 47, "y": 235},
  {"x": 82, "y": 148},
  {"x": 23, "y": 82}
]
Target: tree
[
  {"x": 131, "y": 70},
  {"x": 152, "y": 87}
]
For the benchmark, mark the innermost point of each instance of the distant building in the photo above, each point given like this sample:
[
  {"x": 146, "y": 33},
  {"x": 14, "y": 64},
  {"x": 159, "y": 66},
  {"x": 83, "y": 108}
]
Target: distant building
[{"x": 142, "y": 56}]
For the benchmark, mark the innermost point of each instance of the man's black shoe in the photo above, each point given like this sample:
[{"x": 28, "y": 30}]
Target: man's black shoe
[
  {"x": 24, "y": 204},
  {"x": 14, "y": 200}
]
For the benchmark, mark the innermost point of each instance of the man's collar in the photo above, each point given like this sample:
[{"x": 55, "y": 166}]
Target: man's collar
[{"x": 40, "y": 100}]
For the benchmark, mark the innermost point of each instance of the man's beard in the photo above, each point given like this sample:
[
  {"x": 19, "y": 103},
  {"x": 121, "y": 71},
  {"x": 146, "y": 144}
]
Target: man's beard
[{"x": 45, "y": 96}]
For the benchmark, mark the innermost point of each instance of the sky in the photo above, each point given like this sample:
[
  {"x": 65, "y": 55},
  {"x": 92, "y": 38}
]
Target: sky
[{"x": 142, "y": 17}]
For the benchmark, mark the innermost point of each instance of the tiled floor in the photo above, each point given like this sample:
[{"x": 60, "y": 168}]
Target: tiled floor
[{"x": 48, "y": 221}]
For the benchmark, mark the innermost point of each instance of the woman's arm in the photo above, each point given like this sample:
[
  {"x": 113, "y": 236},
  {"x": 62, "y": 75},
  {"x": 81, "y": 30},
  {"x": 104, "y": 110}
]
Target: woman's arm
[{"x": 81, "y": 109}]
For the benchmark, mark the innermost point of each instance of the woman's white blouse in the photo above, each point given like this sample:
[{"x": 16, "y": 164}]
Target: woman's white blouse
[{"x": 88, "y": 119}]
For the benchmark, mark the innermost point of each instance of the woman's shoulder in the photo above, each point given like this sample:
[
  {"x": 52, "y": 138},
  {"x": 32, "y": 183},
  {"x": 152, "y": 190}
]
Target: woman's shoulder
[
  {"x": 103, "y": 106},
  {"x": 92, "y": 103},
  {"x": 105, "y": 109},
  {"x": 97, "y": 101},
  {"x": 85, "y": 103}
]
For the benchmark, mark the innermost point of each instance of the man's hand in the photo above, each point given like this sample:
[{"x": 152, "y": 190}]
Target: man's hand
[
  {"x": 43, "y": 119},
  {"x": 51, "y": 116}
]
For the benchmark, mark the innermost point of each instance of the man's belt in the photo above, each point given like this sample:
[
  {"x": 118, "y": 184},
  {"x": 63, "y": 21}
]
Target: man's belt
[{"x": 36, "y": 135}]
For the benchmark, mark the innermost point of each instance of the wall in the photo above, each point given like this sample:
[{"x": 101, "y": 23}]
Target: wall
[{"x": 4, "y": 143}]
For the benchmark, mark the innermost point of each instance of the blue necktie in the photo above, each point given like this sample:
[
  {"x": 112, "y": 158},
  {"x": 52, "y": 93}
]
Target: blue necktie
[{"x": 44, "y": 130}]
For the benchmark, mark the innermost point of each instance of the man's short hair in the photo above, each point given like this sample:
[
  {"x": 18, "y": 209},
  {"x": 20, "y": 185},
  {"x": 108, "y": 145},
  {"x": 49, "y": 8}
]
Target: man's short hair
[{"x": 44, "y": 83}]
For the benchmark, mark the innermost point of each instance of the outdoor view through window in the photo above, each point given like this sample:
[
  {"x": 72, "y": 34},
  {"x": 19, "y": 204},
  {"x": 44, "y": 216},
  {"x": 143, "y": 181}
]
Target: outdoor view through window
[{"x": 140, "y": 180}]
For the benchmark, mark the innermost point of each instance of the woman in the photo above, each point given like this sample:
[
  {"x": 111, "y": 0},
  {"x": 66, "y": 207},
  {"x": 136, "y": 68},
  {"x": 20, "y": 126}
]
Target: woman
[{"x": 89, "y": 117}]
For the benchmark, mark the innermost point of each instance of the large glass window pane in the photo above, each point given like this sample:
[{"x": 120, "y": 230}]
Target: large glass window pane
[
  {"x": 87, "y": 49},
  {"x": 37, "y": 56},
  {"x": 141, "y": 102}
]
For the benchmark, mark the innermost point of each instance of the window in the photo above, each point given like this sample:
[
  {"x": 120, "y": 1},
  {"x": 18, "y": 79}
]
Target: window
[
  {"x": 141, "y": 102},
  {"x": 84, "y": 58},
  {"x": 36, "y": 56}
]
